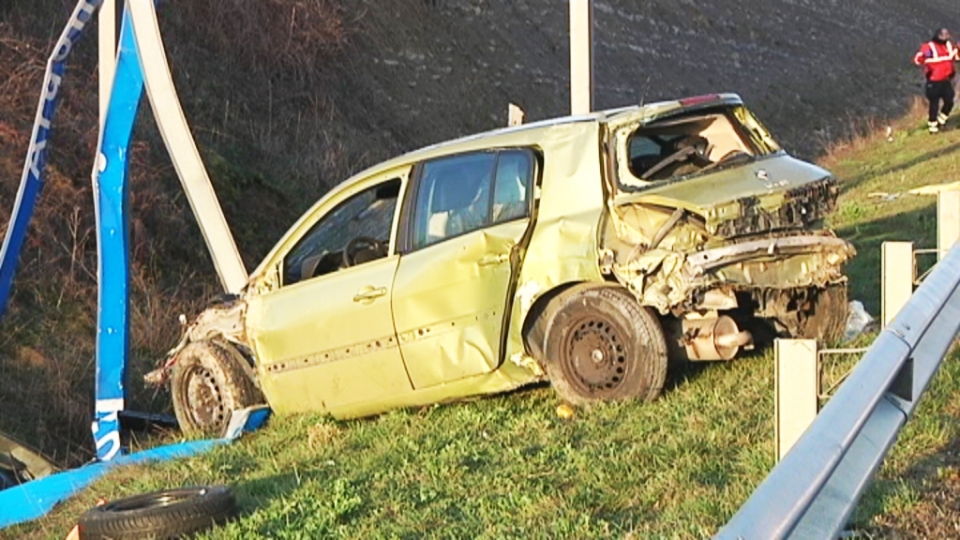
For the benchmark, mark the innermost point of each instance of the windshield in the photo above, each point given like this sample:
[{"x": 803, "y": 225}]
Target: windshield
[{"x": 691, "y": 144}]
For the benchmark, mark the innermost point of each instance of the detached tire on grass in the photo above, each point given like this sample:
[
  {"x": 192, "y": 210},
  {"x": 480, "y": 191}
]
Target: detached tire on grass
[
  {"x": 208, "y": 383},
  {"x": 161, "y": 514},
  {"x": 602, "y": 345}
]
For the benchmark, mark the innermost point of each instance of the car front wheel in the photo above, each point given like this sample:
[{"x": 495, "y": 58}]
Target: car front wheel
[
  {"x": 207, "y": 384},
  {"x": 602, "y": 345}
]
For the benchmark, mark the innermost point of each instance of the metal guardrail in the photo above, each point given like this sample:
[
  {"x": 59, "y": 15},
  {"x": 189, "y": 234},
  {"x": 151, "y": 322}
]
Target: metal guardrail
[{"x": 814, "y": 490}]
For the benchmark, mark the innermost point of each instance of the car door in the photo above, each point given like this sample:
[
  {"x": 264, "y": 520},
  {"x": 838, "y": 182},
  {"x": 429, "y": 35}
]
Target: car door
[
  {"x": 466, "y": 216},
  {"x": 325, "y": 336}
]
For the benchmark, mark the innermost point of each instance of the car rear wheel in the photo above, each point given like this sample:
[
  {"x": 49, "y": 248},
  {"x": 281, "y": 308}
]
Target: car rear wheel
[
  {"x": 207, "y": 384},
  {"x": 825, "y": 316},
  {"x": 602, "y": 345}
]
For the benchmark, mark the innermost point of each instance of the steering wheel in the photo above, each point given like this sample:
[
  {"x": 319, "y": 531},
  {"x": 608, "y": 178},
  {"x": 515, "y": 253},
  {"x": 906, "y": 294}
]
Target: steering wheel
[
  {"x": 726, "y": 157},
  {"x": 690, "y": 148},
  {"x": 353, "y": 248}
]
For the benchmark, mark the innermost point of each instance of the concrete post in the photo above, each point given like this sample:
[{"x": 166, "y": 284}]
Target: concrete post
[
  {"x": 514, "y": 115},
  {"x": 581, "y": 56}
]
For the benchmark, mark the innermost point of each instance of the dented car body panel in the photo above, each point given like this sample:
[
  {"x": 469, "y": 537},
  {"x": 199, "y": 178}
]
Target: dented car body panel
[
  {"x": 415, "y": 281},
  {"x": 19, "y": 463},
  {"x": 776, "y": 192}
]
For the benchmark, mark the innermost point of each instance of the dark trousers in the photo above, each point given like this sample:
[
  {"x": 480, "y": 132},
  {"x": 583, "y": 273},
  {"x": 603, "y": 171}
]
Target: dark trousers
[{"x": 937, "y": 91}]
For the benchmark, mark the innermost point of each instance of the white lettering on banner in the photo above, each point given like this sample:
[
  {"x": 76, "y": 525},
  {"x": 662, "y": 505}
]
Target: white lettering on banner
[
  {"x": 49, "y": 94},
  {"x": 35, "y": 154},
  {"x": 77, "y": 24},
  {"x": 111, "y": 437}
]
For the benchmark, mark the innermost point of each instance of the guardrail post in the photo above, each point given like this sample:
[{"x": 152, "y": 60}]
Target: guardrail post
[
  {"x": 796, "y": 389},
  {"x": 948, "y": 221},
  {"x": 896, "y": 278},
  {"x": 814, "y": 490}
]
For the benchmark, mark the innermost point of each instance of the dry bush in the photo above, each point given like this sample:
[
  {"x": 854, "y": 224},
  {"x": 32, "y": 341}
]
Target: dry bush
[
  {"x": 47, "y": 338},
  {"x": 321, "y": 434},
  {"x": 269, "y": 38},
  {"x": 245, "y": 72},
  {"x": 865, "y": 133}
]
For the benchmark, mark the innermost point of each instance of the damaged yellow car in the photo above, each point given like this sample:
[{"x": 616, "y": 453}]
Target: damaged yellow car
[{"x": 588, "y": 251}]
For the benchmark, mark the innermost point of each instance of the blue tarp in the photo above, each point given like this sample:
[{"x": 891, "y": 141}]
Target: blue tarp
[{"x": 35, "y": 499}]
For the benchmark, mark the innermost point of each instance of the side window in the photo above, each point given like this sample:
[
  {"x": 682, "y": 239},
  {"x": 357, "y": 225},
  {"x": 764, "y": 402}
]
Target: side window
[
  {"x": 459, "y": 194},
  {"x": 356, "y": 231},
  {"x": 514, "y": 183},
  {"x": 453, "y": 197}
]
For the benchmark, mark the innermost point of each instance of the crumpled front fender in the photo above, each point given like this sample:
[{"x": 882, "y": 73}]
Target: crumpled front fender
[{"x": 224, "y": 321}]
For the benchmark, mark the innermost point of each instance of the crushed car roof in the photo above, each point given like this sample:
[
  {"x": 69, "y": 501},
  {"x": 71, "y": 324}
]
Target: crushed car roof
[{"x": 512, "y": 134}]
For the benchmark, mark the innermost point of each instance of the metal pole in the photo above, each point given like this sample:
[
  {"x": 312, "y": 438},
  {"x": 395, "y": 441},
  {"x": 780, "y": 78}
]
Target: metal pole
[
  {"x": 182, "y": 149},
  {"x": 107, "y": 24},
  {"x": 581, "y": 56},
  {"x": 111, "y": 202}
]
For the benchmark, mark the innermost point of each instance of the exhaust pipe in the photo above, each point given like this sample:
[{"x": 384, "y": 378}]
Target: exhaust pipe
[{"x": 713, "y": 338}]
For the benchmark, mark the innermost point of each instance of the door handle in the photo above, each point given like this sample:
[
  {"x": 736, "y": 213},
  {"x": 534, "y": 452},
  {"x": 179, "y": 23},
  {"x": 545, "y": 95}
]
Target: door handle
[
  {"x": 493, "y": 259},
  {"x": 369, "y": 294}
]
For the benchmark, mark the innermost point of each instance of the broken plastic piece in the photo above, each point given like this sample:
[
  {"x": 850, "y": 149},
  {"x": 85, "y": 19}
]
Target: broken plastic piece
[{"x": 858, "y": 321}]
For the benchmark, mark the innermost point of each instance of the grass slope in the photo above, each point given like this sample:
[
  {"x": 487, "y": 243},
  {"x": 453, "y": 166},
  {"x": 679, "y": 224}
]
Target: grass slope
[{"x": 507, "y": 466}]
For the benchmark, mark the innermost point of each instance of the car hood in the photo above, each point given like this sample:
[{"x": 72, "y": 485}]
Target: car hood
[{"x": 772, "y": 193}]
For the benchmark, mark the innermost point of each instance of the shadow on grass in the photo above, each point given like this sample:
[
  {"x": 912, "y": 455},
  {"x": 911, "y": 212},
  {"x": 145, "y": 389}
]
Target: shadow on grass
[
  {"x": 917, "y": 226},
  {"x": 313, "y": 500},
  {"x": 932, "y": 481},
  {"x": 899, "y": 166},
  {"x": 681, "y": 373}
]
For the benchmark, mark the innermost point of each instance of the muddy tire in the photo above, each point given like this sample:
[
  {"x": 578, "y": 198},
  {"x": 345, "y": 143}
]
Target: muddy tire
[
  {"x": 171, "y": 513},
  {"x": 602, "y": 345},
  {"x": 208, "y": 383},
  {"x": 825, "y": 317}
]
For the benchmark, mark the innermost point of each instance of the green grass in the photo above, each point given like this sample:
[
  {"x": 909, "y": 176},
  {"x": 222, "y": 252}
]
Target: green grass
[{"x": 508, "y": 466}]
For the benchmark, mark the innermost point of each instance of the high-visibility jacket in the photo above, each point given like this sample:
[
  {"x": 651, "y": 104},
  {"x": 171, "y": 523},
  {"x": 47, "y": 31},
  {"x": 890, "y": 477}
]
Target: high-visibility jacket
[{"x": 937, "y": 60}]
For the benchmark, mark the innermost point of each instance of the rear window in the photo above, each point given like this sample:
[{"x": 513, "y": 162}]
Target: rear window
[{"x": 693, "y": 144}]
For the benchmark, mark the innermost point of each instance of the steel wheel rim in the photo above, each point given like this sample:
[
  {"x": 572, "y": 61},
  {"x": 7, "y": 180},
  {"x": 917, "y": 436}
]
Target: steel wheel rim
[
  {"x": 593, "y": 357},
  {"x": 203, "y": 396}
]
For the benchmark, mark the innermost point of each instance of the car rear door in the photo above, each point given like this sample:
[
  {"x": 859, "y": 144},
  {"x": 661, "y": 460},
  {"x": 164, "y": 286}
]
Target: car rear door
[{"x": 466, "y": 216}]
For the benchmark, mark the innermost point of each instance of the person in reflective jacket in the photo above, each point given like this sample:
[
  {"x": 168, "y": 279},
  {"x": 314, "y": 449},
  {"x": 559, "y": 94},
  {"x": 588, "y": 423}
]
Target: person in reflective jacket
[{"x": 937, "y": 58}]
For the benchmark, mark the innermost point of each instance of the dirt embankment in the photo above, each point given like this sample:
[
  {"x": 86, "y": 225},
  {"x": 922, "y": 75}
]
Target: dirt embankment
[
  {"x": 288, "y": 98},
  {"x": 423, "y": 71}
]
